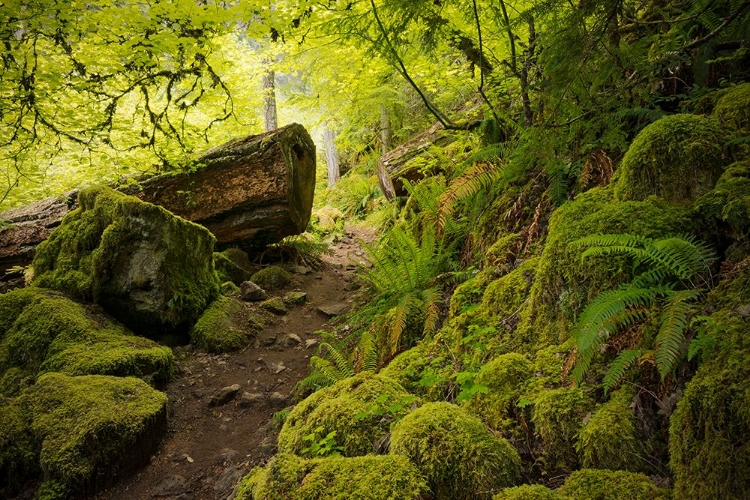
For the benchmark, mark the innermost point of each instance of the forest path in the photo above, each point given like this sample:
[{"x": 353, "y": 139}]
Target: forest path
[{"x": 209, "y": 448}]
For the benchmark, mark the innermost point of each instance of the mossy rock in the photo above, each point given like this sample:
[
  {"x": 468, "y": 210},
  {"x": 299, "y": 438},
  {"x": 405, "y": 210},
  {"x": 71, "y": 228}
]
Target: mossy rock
[
  {"x": 504, "y": 378},
  {"x": 469, "y": 293},
  {"x": 557, "y": 417},
  {"x": 678, "y": 158},
  {"x": 18, "y": 449},
  {"x": 601, "y": 484},
  {"x": 148, "y": 268},
  {"x": 563, "y": 284},
  {"x": 288, "y": 477},
  {"x": 271, "y": 278},
  {"x": 228, "y": 270},
  {"x": 222, "y": 327},
  {"x": 459, "y": 457},
  {"x": 727, "y": 206},
  {"x": 528, "y": 492},
  {"x": 709, "y": 435},
  {"x": 609, "y": 440},
  {"x": 94, "y": 427},
  {"x": 52, "y": 333},
  {"x": 733, "y": 110},
  {"x": 425, "y": 369},
  {"x": 229, "y": 289},
  {"x": 505, "y": 295},
  {"x": 504, "y": 251},
  {"x": 359, "y": 409},
  {"x": 274, "y": 305}
]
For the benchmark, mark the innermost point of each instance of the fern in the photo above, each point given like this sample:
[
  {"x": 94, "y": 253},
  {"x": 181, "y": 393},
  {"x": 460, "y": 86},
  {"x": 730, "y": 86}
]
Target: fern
[
  {"x": 664, "y": 284},
  {"x": 480, "y": 176}
]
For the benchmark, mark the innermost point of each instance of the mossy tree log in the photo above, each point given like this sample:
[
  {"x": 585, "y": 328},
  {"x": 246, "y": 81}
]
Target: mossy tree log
[{"x": 248, "y": 192}]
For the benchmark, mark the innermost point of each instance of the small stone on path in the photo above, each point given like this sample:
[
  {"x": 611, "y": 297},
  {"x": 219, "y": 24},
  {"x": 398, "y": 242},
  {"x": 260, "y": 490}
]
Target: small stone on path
[
  {"x": 295, "y": 298},
  {"x": 292, "y": 340},
  {"x": 225, "y": 395},
  {"x": 251, "y": 292},
  {"x": 335, "y": 309},
  {"x": 274, "y": 305},
  {"x": 250, "y": 399},
  {"x": 170, "y": 486}
]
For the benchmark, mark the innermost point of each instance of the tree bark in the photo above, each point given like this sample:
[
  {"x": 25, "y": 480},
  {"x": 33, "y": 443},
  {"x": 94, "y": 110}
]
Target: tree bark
[
  {"x": 249, "y": 192},
  {"x": 385, "y": 129},
  {"x": 332, "y": 155},
  {"x": 270, "y": 117}
]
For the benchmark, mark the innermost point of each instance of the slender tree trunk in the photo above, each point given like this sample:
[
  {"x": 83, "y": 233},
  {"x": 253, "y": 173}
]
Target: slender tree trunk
[
  {"x": 385, "y": 129},
  {"x": 332, "y": 155},
  {"x": 528, "y": 112},
  {"x": 269, "y": 96}
]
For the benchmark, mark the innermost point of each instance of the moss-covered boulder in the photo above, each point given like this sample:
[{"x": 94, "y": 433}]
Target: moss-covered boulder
[
  {"x": 557, "y": 417},
  {"x": 18, "y": 449},
  {"x": 726, "y": 208},
  {"x": 289, "y": 477},
  {"x": 146, "y": 267},
  {"x": 563, "y": 284},
  {"x": 601, "y": 484},
  {"x": 733, "y": 109},
  {"x": 709, "y": 435},
  {"x": 608, "y": 440},
  {"x": 504, "y": 378},
  {"x": 528, "y": 492},
  {"x": 359, "y": 410},
  {"x": 505, "y": 295},
  {"x": 94, "y": 427},
  {"x": 41, "y": 331},
  {"x": 677, "y": 158},
  {"x": 222, "y": 327},
  {"x": 271, "y": 277},
  {"x": 459, "y": 457},
  {"x": 228, "y": 270}
]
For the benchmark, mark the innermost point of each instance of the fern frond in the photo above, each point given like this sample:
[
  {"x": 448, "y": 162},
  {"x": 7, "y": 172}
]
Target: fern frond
[
  {"x": 480, "y": 176},
  {"x": 341, "y": 362},
  {"x": 620, "y": 366},
  {"x": 675, "y": 319},
  {"x": 431, "y": 299}
]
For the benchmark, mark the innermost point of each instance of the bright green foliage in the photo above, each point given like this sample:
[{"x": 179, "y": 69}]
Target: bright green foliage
[
  {"x": 602, "y": 484},
  {"x": 360, "y": 409},
  {"x": 425, "y": 369},
  {"x": 557, "y": 417},
  {"x": 49, "y": 332},
  {"x": 564, "y": 284},
  {"x": 733, "y": 110},
  {"x": 18, "y": 450},
  {"x": 89, "y": 426},
  {"x": 338, "y": 364},
  {"x": 527, "y": 492},
  {"x": 709, "y": 435},
  {"x": 506, "y": 295},
  {"x": 459, "y": 457},
  {"x": 271, "y": 277},
  {"x": 729, "y": 202},
  {"x": 678, "y": 158},
  {"x": 148, "y": 268},
  {"x": 609, "y": 440},
  {"x": 287, "y": 477},
  {"x": 668, "y": 266},
  {"x": 228, "y": 270},
  {"x": 503, "y": 377},
  {"x": 468, "y": 293},
  {"x": 222, "y": 327}
]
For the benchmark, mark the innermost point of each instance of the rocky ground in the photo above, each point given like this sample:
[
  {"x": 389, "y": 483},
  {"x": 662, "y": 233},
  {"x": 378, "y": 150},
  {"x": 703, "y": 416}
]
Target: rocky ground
[{"x": 222, "y": 406}]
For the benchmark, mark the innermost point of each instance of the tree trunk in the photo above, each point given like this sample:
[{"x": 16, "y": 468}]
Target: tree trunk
[
  {"x": 385, "y": 129},
  {"x": 248, "y": 192},
  {"x": 396, "y": 164},
  {"x": 332, "y": 155},
  {"x": 269, "y": 96}
]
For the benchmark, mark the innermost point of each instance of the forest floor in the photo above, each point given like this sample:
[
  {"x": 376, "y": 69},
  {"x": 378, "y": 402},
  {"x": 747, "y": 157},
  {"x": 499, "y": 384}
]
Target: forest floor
[{"x": 210, "y": 447}]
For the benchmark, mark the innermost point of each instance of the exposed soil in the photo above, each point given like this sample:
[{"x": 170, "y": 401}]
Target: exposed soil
[{"x": 208, "y": 449}]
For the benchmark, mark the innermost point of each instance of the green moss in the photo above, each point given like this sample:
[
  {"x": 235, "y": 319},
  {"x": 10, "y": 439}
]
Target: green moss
[
  {"x": 468, "y": 293},
  {"x": 18, "y": 450},
  {"x": 14, "y": 380},
  {"x": 287, "y": 477},
  {"x": 557, "y": 417},
  {"x": 274, "y": 305},
  {"x": 608, "y": 440},
  {"x": 149, "y": 269},
  {"x": 528, "y": 492},
  {"x": 227, "y": 270},
  {"x": 271, "y": 277},
  {"x": 357, "y": 409},
  {"x": 94, "y": 426},
  {"x": 709, "y": 435},
  {"x": 678, "y": 158},
  {"x": 459, "y": 457},
  {"x": 595, "y": 484},
  {"x": 564, "y": 284},
  {"x": 506, "y": 295},
  {"x": 504, "y": 377},
  {"x": 733, "y": 109},
  {"x": 729, "y": 202},
  {"x": 53, "y": 333},
  {"x": 504, "y": 251},
  {"x": 222, "y": 327},
  {"x": 229, "y": 289}
]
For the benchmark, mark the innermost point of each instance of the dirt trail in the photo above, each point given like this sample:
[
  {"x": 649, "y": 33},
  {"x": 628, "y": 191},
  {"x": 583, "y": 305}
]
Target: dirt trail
[{"x": 208, "y": 449}]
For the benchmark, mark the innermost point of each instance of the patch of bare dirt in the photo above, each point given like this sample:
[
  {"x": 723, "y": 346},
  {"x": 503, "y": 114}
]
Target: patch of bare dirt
[{"x": 210, "y": 446}]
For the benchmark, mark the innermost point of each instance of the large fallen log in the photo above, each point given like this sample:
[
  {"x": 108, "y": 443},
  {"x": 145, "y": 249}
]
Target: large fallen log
[
  {"x": 400, "y": 163},
  {"x": 249, "y": 192}
]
